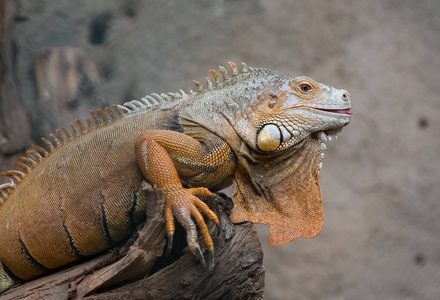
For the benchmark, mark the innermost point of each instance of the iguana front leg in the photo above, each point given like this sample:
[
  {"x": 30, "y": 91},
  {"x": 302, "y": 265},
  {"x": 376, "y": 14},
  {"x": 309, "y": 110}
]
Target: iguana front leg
[{"x": 164, "y": 155}]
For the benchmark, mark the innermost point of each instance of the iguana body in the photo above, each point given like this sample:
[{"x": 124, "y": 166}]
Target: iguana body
[{"x": 255, "y": 129}]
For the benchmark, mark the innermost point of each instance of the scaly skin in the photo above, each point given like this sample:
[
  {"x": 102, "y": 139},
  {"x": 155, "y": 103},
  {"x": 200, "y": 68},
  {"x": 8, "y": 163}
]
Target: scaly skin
[
  {"x": 162, "y": 155},
  {"x": 257, "y": 130}
]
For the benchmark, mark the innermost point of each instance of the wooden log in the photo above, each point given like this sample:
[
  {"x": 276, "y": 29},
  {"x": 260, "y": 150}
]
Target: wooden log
[{"x": 238, "y": 272}]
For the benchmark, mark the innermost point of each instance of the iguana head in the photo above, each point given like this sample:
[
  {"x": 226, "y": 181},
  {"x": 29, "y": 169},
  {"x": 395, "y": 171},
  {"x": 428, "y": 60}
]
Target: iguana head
[
  {"x": 276, "y": 127},
  {"x": 277, "y": 179}
]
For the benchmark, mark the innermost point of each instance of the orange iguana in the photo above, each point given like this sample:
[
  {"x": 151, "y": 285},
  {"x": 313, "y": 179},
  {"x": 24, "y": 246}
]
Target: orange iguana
[{"x": 257, "y": 130}]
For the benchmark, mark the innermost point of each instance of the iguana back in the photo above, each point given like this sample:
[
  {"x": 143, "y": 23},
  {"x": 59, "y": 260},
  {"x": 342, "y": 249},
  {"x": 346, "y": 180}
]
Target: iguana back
[{"x": 87, "y": 198}]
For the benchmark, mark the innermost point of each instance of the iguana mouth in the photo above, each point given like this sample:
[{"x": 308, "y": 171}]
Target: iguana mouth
[{"x": 346, "y": 111}]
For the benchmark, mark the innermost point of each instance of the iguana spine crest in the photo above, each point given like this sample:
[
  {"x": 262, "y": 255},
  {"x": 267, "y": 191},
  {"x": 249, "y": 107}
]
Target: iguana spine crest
[{"x": 107, "y": 116}]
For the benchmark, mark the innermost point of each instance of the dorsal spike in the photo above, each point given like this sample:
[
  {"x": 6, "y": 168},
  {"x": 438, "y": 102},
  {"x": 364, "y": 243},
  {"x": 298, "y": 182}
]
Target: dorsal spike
[
  {"x": 151, "y": 100},
  {"x": 224, "y": 72},
  {"x": 125, "y": 108},
  {"x": 95, "y": 117},
  {"x": 157, "y": 97},
  {"x": 130, "y": 105},
  {"x": 172, "y": 96},
  {"x": 4, "y": 193},
  {"x": 233, "y": 68},
  {"x": 103, "y": 115},
  {"x": 57, "y": 141},
  {"x": 165, "y": 97},
  {"x": 11, "y": 175},
  {"x": 110, "y": 112},
  {"x": 61, "y": 136},
  {"x": 120, "y": 109},
  {"x": 215, "y": 75},
  {"x": 5, "y": 186},
  {"x": 145, "y": 102},
  {"x": 66, "y": 132},
  {"x": 23, "y": 166},
  {"x": 182, "y": 93},
  {"x": 49, "y": 144},
  {"x": 191, "y": 92},
  {"x": 74, "y": 129},
  {"x": 137, "y": 103},
  {"x": 81, "y": 125},
  {"x": 35, "y": 153},
  {"x": 244, "y": 68},
  {"x": 209, "y": 83},
  {"x": 89, "y": 124},
  {"x": 198, "y": 85},
  {"x": 41, "y": 150},
  {"x": 28, "y": 160},
  {"x": 4, "y": 189},
  {"x": 60, "y": 133},
  {"x": 3, "y": 196},
  {"x": 19, "y": 174}
]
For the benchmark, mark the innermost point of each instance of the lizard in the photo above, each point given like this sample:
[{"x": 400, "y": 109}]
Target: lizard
[{"x": 258, "y": 131}]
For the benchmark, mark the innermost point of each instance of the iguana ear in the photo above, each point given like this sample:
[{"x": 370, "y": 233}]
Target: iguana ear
[{"x": 282, "y": 192}]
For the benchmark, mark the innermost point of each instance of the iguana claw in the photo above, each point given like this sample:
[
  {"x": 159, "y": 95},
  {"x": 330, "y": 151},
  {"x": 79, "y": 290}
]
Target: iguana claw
[
  {"x": 198, "y": 253},
  {"x": 211, "y": 260},
  {"x": 170, "y": 244},
  {"x": 196, "y": 250},
  {"x": 183, "y": 205}
]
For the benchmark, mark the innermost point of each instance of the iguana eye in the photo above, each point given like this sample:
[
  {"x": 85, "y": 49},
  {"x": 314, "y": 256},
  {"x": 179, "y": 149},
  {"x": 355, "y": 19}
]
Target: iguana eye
[
  {"x": 305, "y": 87},
  {"x": 269, "y": 138}
]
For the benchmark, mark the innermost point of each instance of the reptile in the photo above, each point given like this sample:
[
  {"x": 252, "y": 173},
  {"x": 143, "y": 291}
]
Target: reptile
[{"x": 259, "y": 131}]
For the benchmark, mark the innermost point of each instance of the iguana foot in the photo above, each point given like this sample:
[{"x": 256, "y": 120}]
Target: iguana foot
[{"x": 185, "y": 206}]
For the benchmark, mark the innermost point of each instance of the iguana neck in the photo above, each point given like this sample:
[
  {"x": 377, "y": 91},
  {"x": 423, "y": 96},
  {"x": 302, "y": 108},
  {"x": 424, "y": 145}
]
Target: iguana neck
[{"x": 283, "y": 193}]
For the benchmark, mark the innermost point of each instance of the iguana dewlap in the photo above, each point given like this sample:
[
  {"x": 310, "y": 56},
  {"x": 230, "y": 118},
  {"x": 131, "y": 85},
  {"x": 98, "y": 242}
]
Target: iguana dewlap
[{"x": 257, "y": 130}]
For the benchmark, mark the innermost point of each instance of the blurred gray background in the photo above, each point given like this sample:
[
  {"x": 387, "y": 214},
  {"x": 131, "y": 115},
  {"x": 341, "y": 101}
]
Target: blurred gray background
[{"x": 380, "y": 179}]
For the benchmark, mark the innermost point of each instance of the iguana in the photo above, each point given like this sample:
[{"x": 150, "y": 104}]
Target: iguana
[{"x": 261, "y": 132}]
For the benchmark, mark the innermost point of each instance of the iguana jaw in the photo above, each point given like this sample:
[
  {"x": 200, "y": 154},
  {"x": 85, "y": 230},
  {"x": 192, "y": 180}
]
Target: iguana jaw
[
  {"x": 346, "y": 111},
  {"x": 344, "y": 116}
]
